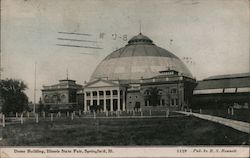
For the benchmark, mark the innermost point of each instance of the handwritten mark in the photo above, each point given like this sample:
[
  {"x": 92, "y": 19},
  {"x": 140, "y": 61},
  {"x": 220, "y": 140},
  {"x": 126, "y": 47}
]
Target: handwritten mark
[
  {"x": 74, "y": 33},
  {"x": 70, "y": 45},
  {"x": 69, "y": 39}
]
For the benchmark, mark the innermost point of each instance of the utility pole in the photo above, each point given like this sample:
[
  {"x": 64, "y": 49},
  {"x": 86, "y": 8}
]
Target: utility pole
[
  {"x": 34, "y": 106},
  {"x": 67, "y": 74}
]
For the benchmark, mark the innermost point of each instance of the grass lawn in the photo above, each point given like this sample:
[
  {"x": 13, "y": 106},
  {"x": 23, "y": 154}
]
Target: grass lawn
[
  {"x": 239, "y": 114},
  {"x": 185, "y": 130}
]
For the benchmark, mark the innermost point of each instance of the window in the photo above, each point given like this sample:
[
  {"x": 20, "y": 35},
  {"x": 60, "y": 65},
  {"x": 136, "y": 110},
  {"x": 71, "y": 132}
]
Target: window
[
  {"x": 159, "y": 102},
  {"x": 107, "y": 92},
  {"x": 94, "y": 93},
  {"x": 88, "y": 93},
  {"x": 63, "y": 98},
  {"x": 163, "y": 102},
  {"x": 88, "y": 102},
  {"x": 114, "y": 92},
  {"x": 147, "y": 92},
  {"x": 173, "y": 91},
  {"x": 46, "y": 98},
  {"x": 101, "y": 93},
  {"x": 172, "y": 102},
  {"x": 160, "y": 92},
  {"x": 176, "y": 102}
]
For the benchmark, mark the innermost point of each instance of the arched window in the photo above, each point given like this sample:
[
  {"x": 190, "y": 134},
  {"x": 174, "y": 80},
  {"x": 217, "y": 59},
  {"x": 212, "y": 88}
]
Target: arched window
[
  {"x": 63, "y": 97},
  {"x": 46, "y": 99}
]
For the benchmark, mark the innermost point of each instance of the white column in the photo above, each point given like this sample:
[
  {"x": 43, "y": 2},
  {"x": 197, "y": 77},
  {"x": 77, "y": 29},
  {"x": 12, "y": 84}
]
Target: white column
[
  {"x": 111, "y": 100},
  {"x": 85, "y": 101},
  {"x": 104, "y": 101},
  {"x": 98, "y": 98},
  {"x": 123, "y": 101},
  {"x": 3, "y": 117},
  {"x": 91, "y": 97},
  {"x": 51, "y": 116},
  {"x": 118, "y": 101}
]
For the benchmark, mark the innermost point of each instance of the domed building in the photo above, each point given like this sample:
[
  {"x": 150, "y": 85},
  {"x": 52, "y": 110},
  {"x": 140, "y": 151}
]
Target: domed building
[
  {"x": 140, "y": 58},
  {"x": 139, "y": 76}
]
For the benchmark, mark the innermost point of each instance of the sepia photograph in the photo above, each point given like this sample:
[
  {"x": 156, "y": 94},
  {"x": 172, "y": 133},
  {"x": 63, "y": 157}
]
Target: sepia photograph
[{"x": 163, "y": 78}]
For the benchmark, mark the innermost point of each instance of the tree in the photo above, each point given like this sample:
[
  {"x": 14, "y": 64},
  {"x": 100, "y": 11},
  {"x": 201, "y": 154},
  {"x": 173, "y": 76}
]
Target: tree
[
  {"x": 13, "y": 96},
  {"x": 153, "y": 95}
]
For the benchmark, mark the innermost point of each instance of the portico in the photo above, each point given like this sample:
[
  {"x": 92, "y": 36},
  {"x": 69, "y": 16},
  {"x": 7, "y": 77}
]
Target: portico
[{"x": 104, "y": 95}]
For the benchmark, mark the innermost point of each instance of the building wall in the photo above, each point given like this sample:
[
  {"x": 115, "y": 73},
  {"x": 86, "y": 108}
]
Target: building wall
[
  {"x": 48, "y": 96},
  {"x": 223, "y": 91},
  {"x": 134, "y": 100},
  {"x": 170, "y": 96},
  {"x": 80, "y": 100},
  {"x": 220, "y": 101}
]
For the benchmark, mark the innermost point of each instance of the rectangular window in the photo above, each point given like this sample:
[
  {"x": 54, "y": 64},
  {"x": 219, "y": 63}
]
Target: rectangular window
[
  {"x": 88, "y": 93},
  {"x": 107, "y": 92},
  {"x": 101, "y": 93},
  {"x": 88, "y": 102},
  {"x": 172, "y": 102},
  {"x": 163, "y": 102},
  {"x": 95, "y": 93},
  {"x": 173, "y": 91},
  {"x": 176, "y": 102},
  {"x": 114, "y": 92}
]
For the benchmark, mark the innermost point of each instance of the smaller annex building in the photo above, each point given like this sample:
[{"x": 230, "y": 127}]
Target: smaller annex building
[
  {"x": 223, "y": 91},
  {"x": 170, "y": 90},
  {"x": 61, "y": 96}
]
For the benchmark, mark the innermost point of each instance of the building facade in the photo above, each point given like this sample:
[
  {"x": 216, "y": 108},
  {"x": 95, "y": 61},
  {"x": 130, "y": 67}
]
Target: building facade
[
  {"x": 223, "y": 91},
  {"x": 168, "y": 90},
  {"x": 104, "y": 95},
  {"x": 61, "y": 96},
  {"x": 143, "y": 76},
  {"x": 126, "y": 79}
]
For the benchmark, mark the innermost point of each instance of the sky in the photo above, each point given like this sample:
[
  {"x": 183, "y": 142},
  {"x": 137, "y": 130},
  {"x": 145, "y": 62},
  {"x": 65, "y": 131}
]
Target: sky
[{"x": 211, "y": 37}]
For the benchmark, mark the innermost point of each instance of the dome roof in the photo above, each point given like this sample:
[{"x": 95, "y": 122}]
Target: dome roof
[{"x": 140, "y": 58}]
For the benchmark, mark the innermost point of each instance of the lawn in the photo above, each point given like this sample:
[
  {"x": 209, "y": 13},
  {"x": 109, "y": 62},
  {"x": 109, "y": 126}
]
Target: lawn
[
  {"x": 239, "y": 114},
  {"x": 184, "y": 130}
]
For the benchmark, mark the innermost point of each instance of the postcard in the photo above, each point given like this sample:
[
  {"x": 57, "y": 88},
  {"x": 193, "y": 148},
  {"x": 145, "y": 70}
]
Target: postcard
[{"x": 117, "y": 78}]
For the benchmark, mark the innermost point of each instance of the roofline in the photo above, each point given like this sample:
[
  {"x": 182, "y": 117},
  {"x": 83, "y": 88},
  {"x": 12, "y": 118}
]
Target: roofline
[{"x": 227, "y": 76}]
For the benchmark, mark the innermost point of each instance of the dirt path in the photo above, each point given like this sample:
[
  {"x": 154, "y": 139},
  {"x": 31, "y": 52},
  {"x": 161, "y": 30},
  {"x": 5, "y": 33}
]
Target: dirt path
[{"x": 238, "y": 125}]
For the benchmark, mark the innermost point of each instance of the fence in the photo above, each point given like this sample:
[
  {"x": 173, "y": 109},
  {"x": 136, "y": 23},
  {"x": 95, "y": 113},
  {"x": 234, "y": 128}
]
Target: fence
[{"x": 43, "y": 116}]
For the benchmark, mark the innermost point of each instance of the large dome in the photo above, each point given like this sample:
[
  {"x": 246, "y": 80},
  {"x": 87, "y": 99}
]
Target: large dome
[{"x": 140, "y": 58}]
